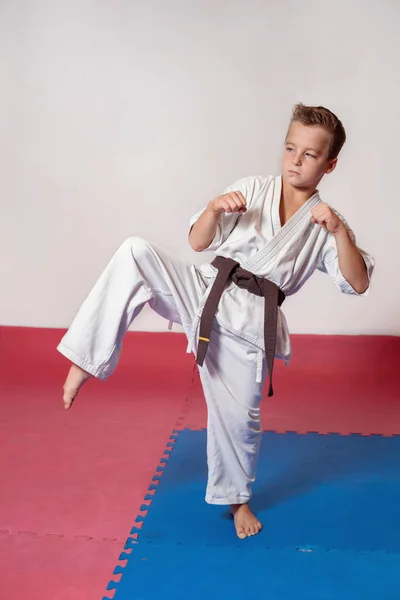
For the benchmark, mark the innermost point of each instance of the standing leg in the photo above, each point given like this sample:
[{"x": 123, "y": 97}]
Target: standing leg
[
  {"x": 138, "y": 273},
  {"x": 234, "y": 428}
]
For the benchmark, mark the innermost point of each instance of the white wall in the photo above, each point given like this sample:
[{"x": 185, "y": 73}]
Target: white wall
[{"x": 124, "y": 117}]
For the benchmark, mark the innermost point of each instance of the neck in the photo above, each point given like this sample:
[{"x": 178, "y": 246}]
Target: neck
[{"x": 294, "y": 195}]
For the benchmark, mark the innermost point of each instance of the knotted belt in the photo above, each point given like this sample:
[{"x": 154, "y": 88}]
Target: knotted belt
[{"x": 230, "y": 270}]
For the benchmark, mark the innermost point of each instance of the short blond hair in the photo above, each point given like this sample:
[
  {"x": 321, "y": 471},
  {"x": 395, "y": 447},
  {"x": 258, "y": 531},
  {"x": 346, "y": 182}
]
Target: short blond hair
[{"x": 318, "y": 115}]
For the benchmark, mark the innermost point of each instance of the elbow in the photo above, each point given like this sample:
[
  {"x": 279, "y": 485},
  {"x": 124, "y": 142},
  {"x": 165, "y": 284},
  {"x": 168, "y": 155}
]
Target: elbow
[
  {"x": 359, "y": 279},
  {"x": 361, "y": 286},
  {"x": 363, "y": 283},
  {"x": 192, "y": 242},
  {"x": 362, "y": 289},
  {"x": 196, "y": 246}
]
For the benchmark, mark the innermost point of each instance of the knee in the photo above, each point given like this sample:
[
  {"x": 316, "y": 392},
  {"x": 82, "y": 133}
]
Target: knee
[{"x": 137, "y": 246}]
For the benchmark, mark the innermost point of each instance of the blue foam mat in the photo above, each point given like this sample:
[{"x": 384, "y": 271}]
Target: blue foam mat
[
  {"x": 313, "y": 492},
  {"x": 179, "y": 572},
  {"x": 324, "y": 490}
]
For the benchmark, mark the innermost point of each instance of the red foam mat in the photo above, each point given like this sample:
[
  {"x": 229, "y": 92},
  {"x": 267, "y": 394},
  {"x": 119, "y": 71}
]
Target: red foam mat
[
  {"x": 55, "y": 568},
  {"x": 82, "y": 473},
  {"x": 73, "y": 481}
]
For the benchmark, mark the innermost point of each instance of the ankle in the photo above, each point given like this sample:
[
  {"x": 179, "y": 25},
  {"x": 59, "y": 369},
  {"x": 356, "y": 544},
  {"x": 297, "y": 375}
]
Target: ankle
[{"x": 235, "y": 507}]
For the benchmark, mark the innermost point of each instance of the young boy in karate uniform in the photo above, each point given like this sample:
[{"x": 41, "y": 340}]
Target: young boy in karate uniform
[{"x": 270, "y": 235}]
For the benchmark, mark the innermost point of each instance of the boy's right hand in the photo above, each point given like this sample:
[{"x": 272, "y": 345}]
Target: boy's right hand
[{"x": 228, "y": 203}]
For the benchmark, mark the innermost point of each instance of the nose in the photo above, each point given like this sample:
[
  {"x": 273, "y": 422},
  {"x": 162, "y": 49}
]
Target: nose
[{"x": 297, "y": 160}]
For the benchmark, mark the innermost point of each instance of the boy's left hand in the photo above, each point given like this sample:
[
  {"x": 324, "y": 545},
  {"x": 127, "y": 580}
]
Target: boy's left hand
[{"x": 326, "y": 218}]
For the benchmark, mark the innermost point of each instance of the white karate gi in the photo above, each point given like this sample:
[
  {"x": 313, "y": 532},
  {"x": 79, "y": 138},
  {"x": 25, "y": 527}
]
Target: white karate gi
[{"x": 234, "y": 369}]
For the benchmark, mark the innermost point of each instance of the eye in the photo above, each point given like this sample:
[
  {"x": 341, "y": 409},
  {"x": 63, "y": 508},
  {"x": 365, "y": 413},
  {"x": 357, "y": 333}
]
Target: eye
[
  {"x": 289, "y": 149},
  {"x": 310, "y": 155}
]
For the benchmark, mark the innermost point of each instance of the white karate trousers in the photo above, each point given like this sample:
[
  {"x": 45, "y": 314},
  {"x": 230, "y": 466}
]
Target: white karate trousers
[{"x": 140, "y": 273}]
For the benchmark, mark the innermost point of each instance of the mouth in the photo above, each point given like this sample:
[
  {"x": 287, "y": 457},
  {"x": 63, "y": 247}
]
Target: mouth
[{"x": 294, "y": 172}]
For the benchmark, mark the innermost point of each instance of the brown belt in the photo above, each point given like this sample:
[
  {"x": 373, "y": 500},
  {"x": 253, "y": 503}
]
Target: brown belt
[{"x": 230, "y": 270}]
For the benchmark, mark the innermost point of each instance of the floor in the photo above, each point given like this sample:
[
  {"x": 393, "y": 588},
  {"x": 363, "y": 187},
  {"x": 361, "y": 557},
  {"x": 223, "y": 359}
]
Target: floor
[{"x": 74, "y": 483}]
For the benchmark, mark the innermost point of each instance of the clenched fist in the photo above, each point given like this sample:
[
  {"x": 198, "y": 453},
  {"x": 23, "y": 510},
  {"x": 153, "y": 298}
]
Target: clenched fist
[
  {"x": 229, "y": 203},
  {"x": 325, "y": 217}
]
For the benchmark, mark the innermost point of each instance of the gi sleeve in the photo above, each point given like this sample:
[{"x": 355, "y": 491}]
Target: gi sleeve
[{"x": 330, "y": 263}]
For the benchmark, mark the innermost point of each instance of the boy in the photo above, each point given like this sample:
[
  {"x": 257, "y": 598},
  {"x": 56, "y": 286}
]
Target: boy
[{"x": 277, "y": 231}]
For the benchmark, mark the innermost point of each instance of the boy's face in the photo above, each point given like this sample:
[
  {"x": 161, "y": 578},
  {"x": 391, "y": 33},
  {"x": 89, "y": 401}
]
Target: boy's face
[{"x": 305, "y": 157}]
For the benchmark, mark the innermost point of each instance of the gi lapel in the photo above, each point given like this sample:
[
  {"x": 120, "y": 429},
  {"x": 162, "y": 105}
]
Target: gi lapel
[{"x": 291, "y": 230}]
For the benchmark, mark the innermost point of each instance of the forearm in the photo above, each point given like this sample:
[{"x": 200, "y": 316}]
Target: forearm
[
  {"x": 204, "y": 230},
  {"x": 351, "y": 262}
]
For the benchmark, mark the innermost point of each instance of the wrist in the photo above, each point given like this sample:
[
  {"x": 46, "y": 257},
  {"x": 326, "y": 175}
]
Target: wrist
[
  {"x": 211, "y": 209},
  {"x": 341, "y": 232}
]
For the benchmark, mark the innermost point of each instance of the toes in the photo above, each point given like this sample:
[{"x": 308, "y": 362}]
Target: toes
[
  {"x": 244, "y": 532},
  {"x": 68, "y": 398},
  {"x": 256, "y": 528},
  {"x": 67, "y": 402}
]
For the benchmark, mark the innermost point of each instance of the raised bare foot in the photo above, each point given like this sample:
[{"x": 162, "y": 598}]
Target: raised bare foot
[
  {"x": 75, "y": 380},
  {"x": 246, "y": 522}
]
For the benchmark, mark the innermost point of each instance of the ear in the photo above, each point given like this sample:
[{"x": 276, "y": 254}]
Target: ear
[{"x": 331, "y": 166}]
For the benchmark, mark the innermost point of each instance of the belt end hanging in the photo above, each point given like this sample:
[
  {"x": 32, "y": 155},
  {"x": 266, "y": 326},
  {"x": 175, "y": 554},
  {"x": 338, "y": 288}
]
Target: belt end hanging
[{"x": 202, "y": 350}]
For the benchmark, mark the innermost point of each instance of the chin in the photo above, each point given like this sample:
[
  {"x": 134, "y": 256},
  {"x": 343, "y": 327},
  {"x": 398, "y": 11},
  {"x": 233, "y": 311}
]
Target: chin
[{"x": 294, "y": 180}]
